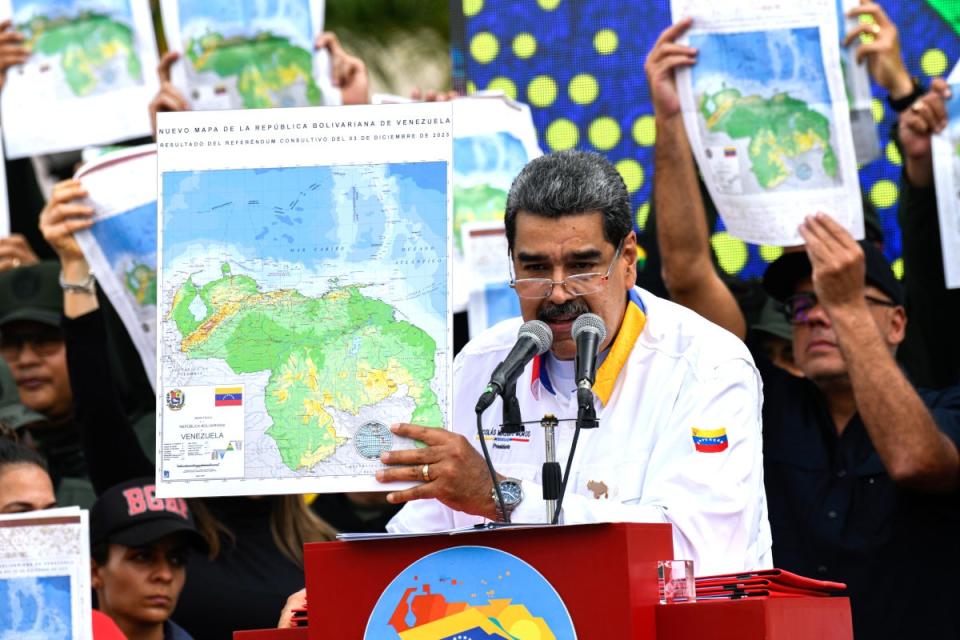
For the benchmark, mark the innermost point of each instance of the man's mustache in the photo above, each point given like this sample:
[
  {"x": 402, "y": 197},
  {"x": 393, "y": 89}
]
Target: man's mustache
[{"x": 572, "y": 308}]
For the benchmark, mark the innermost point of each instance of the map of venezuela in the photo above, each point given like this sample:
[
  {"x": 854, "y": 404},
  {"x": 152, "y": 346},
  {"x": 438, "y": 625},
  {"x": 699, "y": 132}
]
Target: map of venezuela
[
  {"x": 778, "y": 128},
  {"x": 341, "y": 350},
  {"x": 265, "y": 66},
  {"x": 763, "y": 95},
  {"x": 95, "y": 51},
  {"x": 322, "y": 291},
  {"x": 248, "y": 54}
]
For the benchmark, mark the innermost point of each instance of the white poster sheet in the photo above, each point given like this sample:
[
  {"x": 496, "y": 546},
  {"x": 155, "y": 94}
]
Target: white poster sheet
[
  {"x": 946, "y": 175},
  {"x": 45, "y": 574},
  {"x": 249, "y": 54},
  {"x": 303, "y": 298},
  {"x": 89, "y": 79},
  {"x": 121, "y": 247},
  {"x": 767, "y": 117}
]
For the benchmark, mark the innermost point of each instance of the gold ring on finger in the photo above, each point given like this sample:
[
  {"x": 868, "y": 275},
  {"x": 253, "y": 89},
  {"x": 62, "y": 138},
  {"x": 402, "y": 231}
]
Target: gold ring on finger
[{"x": 425, "y": 472}]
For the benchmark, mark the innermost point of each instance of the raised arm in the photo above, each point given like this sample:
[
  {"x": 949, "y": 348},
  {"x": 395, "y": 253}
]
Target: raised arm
[
  {"x": 913, "y": 449},
  {"x": 682, "y": 234},
  {"x": 110, "y": 446}
]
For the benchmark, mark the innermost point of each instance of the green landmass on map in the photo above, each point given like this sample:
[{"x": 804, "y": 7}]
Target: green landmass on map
[
  {"x": 479, "y": 202},
  {"x": 84, "y": 43},
  {"x": 262, "y": 64},
  {"x": 340, "y": 351},
  {"x": 779, "y": 127},
  {"x": 141, "y": 281}
]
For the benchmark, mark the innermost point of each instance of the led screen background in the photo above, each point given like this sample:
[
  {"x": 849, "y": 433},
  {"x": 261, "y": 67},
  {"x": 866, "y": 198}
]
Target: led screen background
[{"x": 579, "y": 65}]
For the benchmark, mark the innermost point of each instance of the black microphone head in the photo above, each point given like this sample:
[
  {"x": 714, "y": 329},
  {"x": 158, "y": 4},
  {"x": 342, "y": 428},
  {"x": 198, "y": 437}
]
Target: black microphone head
[
  {"x": 540, "y": 332},
  {"x": 589, "y": 322}
]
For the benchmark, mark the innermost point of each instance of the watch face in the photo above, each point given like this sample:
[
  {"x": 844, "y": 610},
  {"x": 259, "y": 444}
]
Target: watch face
[{"x": 511, "y": 492}]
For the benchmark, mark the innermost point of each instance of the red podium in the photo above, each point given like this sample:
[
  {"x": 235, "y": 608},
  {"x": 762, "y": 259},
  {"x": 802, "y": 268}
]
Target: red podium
[{"x": 605, "y": 574}]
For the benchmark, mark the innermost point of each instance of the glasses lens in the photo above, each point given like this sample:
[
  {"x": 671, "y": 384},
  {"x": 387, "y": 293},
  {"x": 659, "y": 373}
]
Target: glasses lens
[
  {"x": 42, "y": 343},
  {"x": 797, "y": 307},
  {"x": 584, "y": 284},
  {"x": 532, "y": 287}
]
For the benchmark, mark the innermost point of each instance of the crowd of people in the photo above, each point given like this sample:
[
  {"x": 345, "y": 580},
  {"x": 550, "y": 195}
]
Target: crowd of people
[{"x": 819, "y": 435}]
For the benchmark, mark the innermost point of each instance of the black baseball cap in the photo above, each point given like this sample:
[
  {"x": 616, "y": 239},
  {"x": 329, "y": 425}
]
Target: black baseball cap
[
  {"x": 782, "y": 275},
  {"x": 32, "y": 293},
  {"x": 131, "y": 515}
]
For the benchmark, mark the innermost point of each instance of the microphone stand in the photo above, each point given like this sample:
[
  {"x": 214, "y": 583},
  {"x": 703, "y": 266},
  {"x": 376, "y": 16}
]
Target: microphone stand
[
  {"x": 586, "y": 419},
  {"x": 512, "y": 420},
  {"x": 551, "y": 468}
]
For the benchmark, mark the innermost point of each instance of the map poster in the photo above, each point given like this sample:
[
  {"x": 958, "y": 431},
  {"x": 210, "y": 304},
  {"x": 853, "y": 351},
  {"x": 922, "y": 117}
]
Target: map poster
[
  {"x": 946, "y": 176},
  {"x": 303, "y": 299},
  {"x": 121, "y": 246},
  {"x": 4, "y": 200},
  {"x": 856, "y": 79},
  {"x": 88, "y": 80},
  {"x": 249, "y": 54},
  {"x": 767, "y": 116},
  {"x": 492, "y": 300},
  {"x": 45, "y": 575},
  {"x": 493, "y": 138}
]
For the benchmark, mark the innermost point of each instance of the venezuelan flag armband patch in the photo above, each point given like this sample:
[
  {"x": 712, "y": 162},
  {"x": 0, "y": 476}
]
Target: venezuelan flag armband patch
[{"x": 709, "y": 440}]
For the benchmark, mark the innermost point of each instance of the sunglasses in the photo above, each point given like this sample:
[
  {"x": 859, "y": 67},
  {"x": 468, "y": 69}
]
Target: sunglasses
[{"x": 797, "y": 307}]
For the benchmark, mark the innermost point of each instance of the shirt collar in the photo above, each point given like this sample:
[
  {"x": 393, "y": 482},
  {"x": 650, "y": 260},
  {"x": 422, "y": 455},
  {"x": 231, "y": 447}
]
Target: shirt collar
[{"x": 634, "y": 319}]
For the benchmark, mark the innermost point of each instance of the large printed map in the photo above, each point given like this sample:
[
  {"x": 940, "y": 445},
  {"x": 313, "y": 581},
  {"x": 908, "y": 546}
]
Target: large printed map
[
  {"x": 252, "y": 53},
  {"x": 763, "y": 95},
  {"x": 89, "y": 48},
  {"x": 298, "y": 284}
]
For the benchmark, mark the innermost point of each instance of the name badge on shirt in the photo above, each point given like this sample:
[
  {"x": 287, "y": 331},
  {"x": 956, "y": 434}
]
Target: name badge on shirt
[{"x": 502, "y": 440}]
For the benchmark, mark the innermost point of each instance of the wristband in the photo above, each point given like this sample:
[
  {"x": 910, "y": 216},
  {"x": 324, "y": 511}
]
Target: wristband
[
  {"x": 900, "y": 104},
  {"x": 87, "y": 286}
]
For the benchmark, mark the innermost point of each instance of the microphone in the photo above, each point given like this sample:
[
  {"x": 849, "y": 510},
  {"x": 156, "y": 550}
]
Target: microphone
[
  {"x": 533, "y": 339},
  {"x": 589, "y": 332}
]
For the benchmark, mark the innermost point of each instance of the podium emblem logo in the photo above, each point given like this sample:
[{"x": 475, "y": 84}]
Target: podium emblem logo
[{"x": 469, "y": 593}]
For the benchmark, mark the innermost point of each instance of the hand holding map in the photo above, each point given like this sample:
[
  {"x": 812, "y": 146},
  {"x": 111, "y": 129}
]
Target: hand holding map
[
  {"x": 878, "y": 44},
  {"x": 168, "y": 98},
  {"x": 12, "y": 51}
]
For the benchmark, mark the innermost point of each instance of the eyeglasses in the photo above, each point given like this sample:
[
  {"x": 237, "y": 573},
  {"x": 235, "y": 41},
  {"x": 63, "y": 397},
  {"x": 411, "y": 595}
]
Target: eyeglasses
[
  {"x": 797, "y": 307},
  {"x": 579, "y": 284},
  {"x": 43, "y": 341}
]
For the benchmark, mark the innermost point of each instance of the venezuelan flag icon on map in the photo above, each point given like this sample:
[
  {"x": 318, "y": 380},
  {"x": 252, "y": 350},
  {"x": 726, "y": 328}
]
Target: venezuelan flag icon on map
[{"x": 228, "y": 397}]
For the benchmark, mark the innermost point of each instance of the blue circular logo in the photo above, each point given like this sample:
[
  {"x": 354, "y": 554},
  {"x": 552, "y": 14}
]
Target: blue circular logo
[{"x": 470, "y": 593}]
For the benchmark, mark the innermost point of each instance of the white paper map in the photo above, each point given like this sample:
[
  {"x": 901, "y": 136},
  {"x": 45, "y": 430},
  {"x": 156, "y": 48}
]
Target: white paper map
[
  {"x": 946, "y": 171},
  {"x": 494, "y": 138},
  {"x": 88, "y": 80},
  {"x": 45, "y": 575},
  {"x": 767, "y": 117},
  {"x": 248, "y": 54},
  {"x": 121, "y": 247},
  {"x": 303, "y": 294},
  {"x": 856, "y": 79}
]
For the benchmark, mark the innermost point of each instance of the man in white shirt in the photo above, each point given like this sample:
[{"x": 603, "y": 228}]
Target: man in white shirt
[{"x": 678, "y": 398}]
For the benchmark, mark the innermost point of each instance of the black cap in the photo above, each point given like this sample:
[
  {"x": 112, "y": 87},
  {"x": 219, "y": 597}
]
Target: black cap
[
  {"x": 131, "y": 515},
  {"x": 32, "y": 293},
  {"x": 782, "y": 275}
]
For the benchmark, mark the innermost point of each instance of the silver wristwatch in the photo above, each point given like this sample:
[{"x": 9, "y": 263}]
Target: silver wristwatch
[{"x": 512, "y": 493}]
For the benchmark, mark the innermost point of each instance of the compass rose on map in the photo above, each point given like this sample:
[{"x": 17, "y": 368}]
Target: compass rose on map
[{"x": 372, "y": 439}]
